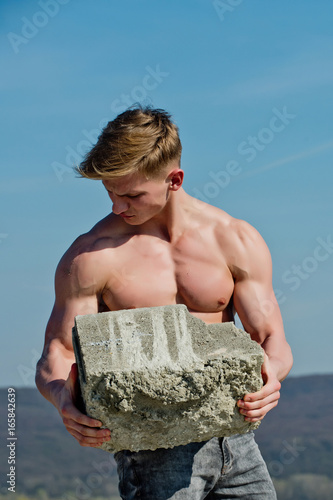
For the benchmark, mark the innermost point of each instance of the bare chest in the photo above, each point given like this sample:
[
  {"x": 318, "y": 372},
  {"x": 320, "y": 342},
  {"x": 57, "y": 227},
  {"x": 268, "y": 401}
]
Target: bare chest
[{"x": 152, "y": 273}]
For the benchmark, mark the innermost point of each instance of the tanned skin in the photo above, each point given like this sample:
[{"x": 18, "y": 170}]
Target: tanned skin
[{"x": 160, "y": 246}]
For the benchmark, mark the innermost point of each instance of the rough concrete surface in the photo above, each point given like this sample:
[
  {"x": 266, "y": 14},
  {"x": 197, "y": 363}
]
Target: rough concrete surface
[{"x": 158, "y": 377}]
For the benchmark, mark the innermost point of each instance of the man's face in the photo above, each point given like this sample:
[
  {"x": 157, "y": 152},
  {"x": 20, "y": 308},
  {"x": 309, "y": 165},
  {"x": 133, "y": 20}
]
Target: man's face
[{"x": 137, "y": 199}]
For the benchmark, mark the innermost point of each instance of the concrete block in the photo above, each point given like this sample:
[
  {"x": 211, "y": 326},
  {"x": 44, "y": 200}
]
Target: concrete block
[{"x": 158, "y": 377}]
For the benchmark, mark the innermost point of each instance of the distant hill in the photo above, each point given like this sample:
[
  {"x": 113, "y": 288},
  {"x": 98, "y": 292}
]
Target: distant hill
[
  {"x": 48, "y": 457},
  {"x": 295, "y": 438}
]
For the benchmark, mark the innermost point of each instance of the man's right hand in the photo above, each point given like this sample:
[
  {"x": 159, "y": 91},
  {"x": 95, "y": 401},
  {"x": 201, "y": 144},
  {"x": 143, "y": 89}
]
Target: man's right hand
[{"x": 85, "y": 429}]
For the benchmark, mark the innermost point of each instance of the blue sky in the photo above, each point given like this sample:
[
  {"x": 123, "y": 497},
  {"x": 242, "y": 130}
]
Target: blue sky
[{"x": 250, "y": 87}]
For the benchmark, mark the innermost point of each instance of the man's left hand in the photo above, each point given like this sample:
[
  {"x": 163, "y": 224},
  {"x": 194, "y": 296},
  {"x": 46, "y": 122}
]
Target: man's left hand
[{"x": 255, "y": 406}]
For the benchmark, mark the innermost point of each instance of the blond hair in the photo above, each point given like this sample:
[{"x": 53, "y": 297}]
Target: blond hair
[{"x": 142, "y": 140}]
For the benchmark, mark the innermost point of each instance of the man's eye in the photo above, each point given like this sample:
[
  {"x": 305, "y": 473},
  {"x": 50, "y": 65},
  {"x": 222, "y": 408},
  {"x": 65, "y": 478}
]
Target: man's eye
[{"x": 126, "y": 195}]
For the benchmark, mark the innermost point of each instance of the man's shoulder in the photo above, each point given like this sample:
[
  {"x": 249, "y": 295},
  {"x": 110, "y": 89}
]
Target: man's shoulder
[
  {"x": 85, "y": 255},
  {"x": 238, "y": 239},
  {"x": 243, "y": 231},
  {"x": 242, "y": 245},
  {"x": 226, "y": 226},
  {"x": 202, "y": 213}
]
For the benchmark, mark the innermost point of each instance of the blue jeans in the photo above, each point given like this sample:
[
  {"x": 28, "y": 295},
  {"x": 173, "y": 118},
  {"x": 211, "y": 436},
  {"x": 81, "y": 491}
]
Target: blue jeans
[{"x": 219, "y": 468}]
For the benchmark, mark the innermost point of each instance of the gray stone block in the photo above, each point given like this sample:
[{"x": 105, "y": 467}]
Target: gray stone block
[{"x": 158, "y": 377}]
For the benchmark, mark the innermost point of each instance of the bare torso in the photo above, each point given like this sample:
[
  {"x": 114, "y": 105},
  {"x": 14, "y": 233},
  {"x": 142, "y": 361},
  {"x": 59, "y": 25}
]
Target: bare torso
[{"x": 139, "y": 269}]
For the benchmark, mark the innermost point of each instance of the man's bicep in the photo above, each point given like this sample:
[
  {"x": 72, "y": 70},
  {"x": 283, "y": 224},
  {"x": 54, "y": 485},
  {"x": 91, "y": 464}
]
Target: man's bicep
[
  {"x": 61, "y": 322},
  {"x": 257, "y": 308},
  {"x": 72, "y": 298},
  {"x": 254, "y": 298}
]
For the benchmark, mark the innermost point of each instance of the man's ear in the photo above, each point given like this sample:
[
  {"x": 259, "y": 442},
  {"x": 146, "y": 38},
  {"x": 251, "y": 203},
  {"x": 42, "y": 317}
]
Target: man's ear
[{"x": 175, "y": 179}]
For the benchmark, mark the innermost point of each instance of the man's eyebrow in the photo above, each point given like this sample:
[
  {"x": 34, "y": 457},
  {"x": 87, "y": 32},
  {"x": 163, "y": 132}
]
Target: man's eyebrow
[{"x": 131, "y": 193}]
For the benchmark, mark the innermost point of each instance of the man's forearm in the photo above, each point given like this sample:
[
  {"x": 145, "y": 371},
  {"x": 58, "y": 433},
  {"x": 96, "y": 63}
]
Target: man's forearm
[
  {"x": 50, "y": 390},
  {"x": 51, "y": 375},
  {"x": 280, "y": 356},
  {"x": 48, "y": 387}
]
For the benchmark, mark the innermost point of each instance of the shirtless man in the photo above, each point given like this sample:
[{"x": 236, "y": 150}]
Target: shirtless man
[{"x": 160, "y": 246}]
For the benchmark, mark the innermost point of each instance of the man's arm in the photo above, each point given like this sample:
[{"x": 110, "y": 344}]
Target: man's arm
[
  {"x": 259, "y": 312},
  {"x": 56, "y": 375}
]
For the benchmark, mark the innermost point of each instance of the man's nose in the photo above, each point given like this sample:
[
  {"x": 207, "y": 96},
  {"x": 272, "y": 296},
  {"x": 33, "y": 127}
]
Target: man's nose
[{"x": 119, "y": 206}]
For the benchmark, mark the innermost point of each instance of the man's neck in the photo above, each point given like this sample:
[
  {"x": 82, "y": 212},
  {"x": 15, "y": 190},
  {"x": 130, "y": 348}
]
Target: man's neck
[{"x": 174, "y": 219}]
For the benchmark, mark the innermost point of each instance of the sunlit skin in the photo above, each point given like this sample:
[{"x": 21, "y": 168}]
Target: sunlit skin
[{"x": 160, "y": 246}]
